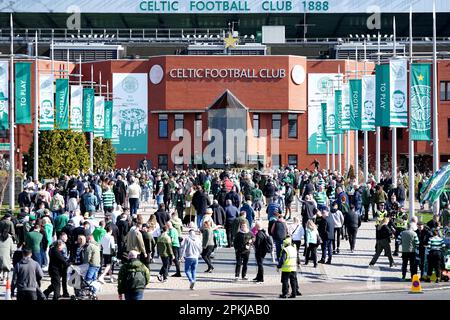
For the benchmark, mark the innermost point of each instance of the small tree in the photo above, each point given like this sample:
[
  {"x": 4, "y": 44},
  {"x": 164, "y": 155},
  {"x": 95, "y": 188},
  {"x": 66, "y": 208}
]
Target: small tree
[
  {"x": 104, "y": 155},
  {"x": 351, "y": 172},
  {"x": 60, "y": 152}
]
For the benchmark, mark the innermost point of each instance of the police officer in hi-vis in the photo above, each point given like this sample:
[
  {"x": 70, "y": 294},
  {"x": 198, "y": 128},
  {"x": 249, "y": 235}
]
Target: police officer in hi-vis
[{"x": 288, "y": 266}]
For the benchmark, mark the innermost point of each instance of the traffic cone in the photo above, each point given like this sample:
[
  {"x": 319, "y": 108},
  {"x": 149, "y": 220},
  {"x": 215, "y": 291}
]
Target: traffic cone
[
  {"x": 8, "y": 290},
  {"x": 415, "y": 286}
]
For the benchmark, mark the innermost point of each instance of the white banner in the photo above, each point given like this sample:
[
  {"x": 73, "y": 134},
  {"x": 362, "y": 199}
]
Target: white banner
[
  {"x": 130, "y": 113},
  {"x": 320, "y": 86},
  {"x": 331, "y": 115},
  {"x": 398, "y": 79},
  {"x": 368, "y": 103},
  {"x": 46, "y": 102},
  {"x": 222, "y": 6},
  {"x": 345, "y": 106},
  {"x": 76, "y": 108},
  {"x": 4, "y": 95},
  {"x": 99, "y": 116}
]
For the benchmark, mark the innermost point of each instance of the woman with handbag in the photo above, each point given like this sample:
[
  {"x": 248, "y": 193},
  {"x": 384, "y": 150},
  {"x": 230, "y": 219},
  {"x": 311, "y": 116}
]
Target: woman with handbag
[{"x": 313, "y": 240}]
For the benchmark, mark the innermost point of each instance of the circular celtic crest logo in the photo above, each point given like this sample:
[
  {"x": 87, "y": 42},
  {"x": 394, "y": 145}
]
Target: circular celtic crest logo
[
  {"x": 420, "y": 111},
  {"x": 130, "y": 85}
]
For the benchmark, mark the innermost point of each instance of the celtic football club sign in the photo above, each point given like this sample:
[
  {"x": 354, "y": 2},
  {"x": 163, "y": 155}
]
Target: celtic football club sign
[{"x": 420, "y": 118}]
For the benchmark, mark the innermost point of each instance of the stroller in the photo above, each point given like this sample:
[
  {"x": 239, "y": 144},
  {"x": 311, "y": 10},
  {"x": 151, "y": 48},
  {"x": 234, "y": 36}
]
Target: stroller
[{"x": 84, "y": 290}]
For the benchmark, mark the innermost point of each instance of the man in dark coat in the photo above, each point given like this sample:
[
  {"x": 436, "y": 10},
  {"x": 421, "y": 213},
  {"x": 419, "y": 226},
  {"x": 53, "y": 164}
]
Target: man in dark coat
[
  {"x": 200, "y": 201},
  {"x": 162, "y": 217},
  {"x": 124, "y": 227},
  {"x": 219, "y": 216},
  {"x": 56, "y": 268},
  {"x": 326, "y": 232},
  {"x": 120, "y": 191}
]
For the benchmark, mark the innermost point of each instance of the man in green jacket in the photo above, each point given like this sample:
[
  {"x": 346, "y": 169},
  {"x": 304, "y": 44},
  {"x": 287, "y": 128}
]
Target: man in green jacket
[
  {"x": 133, "y": 278},
  {"x": 174, "y": 237},
  {"x": 60, "y": 222},
  {"x": 99, "y": 232},
  {"x": 164, "y": 246},
  {"x": 33, "y": 241}
]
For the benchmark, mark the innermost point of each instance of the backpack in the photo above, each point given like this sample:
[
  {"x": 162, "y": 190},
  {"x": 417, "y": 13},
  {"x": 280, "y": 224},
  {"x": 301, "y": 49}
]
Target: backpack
[
  {"x": 268, "y": 244},
  {"x": 135, "y": 280}
]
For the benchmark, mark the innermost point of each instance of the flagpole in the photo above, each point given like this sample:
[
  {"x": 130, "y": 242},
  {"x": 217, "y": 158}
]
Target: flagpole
[
  {"x": 36, "y": 111},
  {"x": 91, "y": 134},
  {"x": 340, "y": 134},
  {"x": 436, "y": 160},
  {"x": 333, "y": 155},
  {"x": 356, "y": 131},
  {"x": 328, "y": 155},
  {"x": 12, "y": 147},
  {"x": 394, "y": 130},
  {"x": 377, "y": 129},
  {"x": 366, "y": 133},
  {"x": 411, "y": 141}
]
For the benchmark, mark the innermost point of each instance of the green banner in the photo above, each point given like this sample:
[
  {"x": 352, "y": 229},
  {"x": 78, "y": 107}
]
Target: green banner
[
  {"x": 338, "y": 111},
  {"x": 4, "y": 95},
  {"x": 323, "y": 107},
  {"x": 88, "y": 110},
  {"x": 23, "y": 92},
  {"x": 62, "y": 104},
  {"x": 420, "y": 117},
  {"x": 382, "y": 109},
  {"x": 108, "y": 119},
  {"x": 355, "y": 104}
]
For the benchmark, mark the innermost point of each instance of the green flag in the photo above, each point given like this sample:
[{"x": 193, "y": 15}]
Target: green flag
[
  {"x": 88, "y": 110},
  {"x": 23, "y": 92},
  {"x": 99, "y": 116},
  {"x": 62, "y": 104},
  {"x": 382, "y": 100},
  {"x": 420, "y": 117},
  {"x": 108, "y": 119},
  {"x": 331, "y": 117},
  {"x": 324, "y": 136},
  {"x": 345, "y": 120},
  {"x": 338, "y": 111},
  {"x": 355, "y": 104},
  {"x": 46, "y": 102}
]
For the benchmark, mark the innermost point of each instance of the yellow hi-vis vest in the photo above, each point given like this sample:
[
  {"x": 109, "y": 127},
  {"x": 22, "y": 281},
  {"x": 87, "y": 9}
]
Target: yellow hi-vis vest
[{"x": 290, "y": 264}]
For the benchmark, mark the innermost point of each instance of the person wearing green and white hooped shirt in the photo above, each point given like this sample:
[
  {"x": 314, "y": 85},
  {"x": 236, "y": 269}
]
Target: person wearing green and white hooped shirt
[
  {"x": 321, "y": 198},
  {"x": 435, "y": 247}
]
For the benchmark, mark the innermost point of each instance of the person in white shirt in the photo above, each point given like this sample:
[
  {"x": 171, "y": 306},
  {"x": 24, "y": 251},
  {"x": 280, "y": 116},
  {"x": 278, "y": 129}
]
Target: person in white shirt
[
  {"x": 134, "y": 194},
  {"x": 108, "y": 248},
  {"x": 77, "y": 218},
  {"x": 116, "y": 213},
  {"x": 297, "y": 233}
]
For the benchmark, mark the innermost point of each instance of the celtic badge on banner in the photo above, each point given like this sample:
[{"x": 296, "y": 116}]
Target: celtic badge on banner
[{"x": 420, "y": 118}]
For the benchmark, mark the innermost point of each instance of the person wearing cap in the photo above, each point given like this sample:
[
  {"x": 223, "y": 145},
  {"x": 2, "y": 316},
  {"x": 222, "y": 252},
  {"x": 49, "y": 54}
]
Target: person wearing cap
[
  {"x": 383, "y": 236},
  {"x": 191, "y": 249},
  {"x": 133, "y": 277},
  {"x": 288, "y": 265}
]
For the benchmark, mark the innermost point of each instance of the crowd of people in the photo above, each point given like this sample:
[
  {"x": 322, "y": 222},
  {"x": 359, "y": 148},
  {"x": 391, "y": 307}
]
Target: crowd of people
[{"x": 94, "y": 221}]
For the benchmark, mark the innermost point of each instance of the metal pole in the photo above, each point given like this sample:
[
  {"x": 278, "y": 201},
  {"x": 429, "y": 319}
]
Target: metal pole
[
  {"x": 356, "y": 131},
  {"x": 12, "y": 149},
  {"x": 366, "y": 133},
  {"x": 328, "y": 155},
  {"x": 340, "y": 135},
  {"x": 348, "y": 150},
  {"x": 436, "y": 160},
  {"x": 333, "y": 154},
  {"x": 394, "y": 130},
  {"x": 377, "y": 129},
  {"x": 411, "y": 142},
  {"x": 91, "y": 134},
  {"x": 36, "y": 112}
]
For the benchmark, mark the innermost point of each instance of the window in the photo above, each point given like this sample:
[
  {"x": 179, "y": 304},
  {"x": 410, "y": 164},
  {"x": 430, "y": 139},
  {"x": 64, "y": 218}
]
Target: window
[
  {"x": 198, "y": 125},
  {"x": 448, "y": 127},
  {"x": 179, "y": 124},
  {"x": 292, "y": 126},
  {"x": 445, "y": 90},
  {"x": 276, "y": 125},
  {"x": 292, "y": 160},
  {"x": 276, "y": 161},
  {"x": 162, "y": 161},
  {"x": 162, "y": 126},
  {"x": 256, "y": 125}
]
